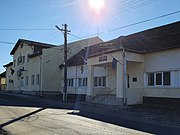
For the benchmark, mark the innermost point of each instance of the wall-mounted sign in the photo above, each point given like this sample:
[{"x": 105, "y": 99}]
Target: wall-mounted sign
[{"x": 102, "y": 58}]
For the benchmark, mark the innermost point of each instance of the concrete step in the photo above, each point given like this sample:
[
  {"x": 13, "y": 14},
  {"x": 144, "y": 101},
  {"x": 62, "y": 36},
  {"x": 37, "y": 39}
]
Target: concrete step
[{"x": 109, "y": 99}]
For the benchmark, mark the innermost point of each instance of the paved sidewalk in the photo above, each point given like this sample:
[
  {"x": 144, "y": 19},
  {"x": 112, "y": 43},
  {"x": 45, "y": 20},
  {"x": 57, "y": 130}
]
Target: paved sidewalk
[{"x": 148, "y": 113}]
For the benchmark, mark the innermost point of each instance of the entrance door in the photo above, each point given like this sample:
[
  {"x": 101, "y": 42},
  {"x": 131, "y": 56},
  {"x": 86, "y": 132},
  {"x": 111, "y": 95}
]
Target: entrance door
[{"x": 128, "y": 84}]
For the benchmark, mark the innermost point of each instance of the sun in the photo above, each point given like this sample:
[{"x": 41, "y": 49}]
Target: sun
[{"x": 97, "y": 5}]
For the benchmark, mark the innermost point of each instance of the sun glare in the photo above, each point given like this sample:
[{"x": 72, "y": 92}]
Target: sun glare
[{"x": 97, "y": 5}]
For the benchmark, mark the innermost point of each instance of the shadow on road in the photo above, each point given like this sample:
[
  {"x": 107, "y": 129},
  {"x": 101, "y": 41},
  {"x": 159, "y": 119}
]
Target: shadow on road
[
  {"x": 20, "y": 118},
  {"x": 139, "y": 125},
  {"x": 84, "y": 111}
]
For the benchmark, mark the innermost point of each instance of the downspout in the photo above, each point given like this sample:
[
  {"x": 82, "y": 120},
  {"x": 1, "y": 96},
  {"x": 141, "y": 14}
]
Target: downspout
[
  {"x": 40, "y": 76},
  {"x": 124, "y": 78},
  {"x": 76, "y": 81}
]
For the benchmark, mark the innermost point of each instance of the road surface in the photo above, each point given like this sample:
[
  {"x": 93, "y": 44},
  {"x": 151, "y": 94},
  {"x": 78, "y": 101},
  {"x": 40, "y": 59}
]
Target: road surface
[{"x": 33, "y": 116}]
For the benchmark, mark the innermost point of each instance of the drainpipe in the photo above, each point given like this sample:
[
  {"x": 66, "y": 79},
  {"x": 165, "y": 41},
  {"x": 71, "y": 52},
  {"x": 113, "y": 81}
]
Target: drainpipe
[
  {"x": 124, "y": 78},
  {"x": 76, "y": 81},
  {"x": 40, "y": 76}
]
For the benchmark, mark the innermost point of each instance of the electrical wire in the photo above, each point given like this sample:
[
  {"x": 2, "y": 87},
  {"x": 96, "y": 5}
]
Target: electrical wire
[
  {"x": 129, "y": 25},
  {"x": 12, "y": 29},
  {"x": 5, "y": 42}
]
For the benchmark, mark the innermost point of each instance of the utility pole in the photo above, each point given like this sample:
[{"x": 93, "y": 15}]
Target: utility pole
[{"x": 65, "y": 32}]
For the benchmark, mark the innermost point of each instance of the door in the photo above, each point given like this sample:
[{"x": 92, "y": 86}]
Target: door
[{"x": 128, "y": 84}]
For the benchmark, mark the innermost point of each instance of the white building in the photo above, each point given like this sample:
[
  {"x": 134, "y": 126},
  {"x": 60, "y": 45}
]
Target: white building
[
  {"x": 52, "y": 77},
  {"x": 24, "y": 74},
  {"x": 146, "y": 67},
  {"x": 35, "y": 66},
  {"x": 77, "y": 75},
  {"x": 141, "y": 67}
]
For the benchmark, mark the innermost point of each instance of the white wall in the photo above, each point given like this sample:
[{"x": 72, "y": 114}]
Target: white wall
[
  {"x": 9, "y": 86},
  {"x": 53, "y": 57},
  {"x": 162, "y": 92},
  {"x": 162, "y": 60},
  {"x": 135, "y": 70},
  {"x": 31, "y": 68},
  {"x": 167, "y": 60}
]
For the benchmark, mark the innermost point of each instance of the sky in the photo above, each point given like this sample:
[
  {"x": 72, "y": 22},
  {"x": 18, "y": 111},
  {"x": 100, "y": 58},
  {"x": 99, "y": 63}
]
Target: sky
[{"x": 36, "y": 19}]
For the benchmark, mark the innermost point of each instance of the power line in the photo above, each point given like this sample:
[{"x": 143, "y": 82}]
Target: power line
[
  {"x": 75, "y": 36},
  {"x": 12, "y": 29},
  {"x": 5, "y": 42},
  {"x": 111, "y": 30},
  {"x": 155, "y": 18},
  {"x": 129, "y": 25}
]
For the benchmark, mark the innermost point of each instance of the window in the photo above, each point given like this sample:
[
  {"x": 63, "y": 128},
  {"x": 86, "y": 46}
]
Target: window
[
  {"x": 37, "y": 79},
  {"x": 104, "y": 81},
  {"x": 23, "y": 59},
  {"x": 26, "y": 80},
  {"x": 27, "y": 59},
  {"x": 151, "y": 79},
  {"x": 166, "y": 78},
  {"x": 82, "y": 82},
  {"x": 95, "y": 81},
  {"x": 32, "y": 79},
  {"x": 99, "y": 81},
  {"x": 70, "y": 82},
  {"x": 14, "y": 63},
  {"x": 159, "y": 79},
  {"x": 85, "y": 82}
]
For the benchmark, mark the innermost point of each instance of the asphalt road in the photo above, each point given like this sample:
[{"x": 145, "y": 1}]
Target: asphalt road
[{"x": 31, "y": 115}]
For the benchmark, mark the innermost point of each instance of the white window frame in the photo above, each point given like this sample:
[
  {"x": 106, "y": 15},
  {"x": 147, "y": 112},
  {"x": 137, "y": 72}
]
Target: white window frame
[
  {"x": 37, "y": 79},
  {"x": 70, "y": 82},
  {"x": 32, "y": 79},
  {"x": 27, "y": 80},
  {"x": 98, "y": 79},
  {"x": 162, "y": 79},
  {"x": 82, "y": 82}
]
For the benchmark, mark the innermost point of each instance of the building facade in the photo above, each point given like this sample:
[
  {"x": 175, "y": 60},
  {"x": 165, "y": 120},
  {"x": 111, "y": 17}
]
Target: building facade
[
  {"x": 139, "y": 68},
  {"x": 52, "y": 79},
  {"x": 24, "y": 73},
  {"x": 3, "y": 81},
  {"x": 35, "y": 67},
  {"x": 142, "y": 67}
]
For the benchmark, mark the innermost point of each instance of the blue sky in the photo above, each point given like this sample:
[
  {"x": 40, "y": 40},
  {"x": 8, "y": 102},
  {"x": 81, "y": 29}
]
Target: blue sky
[{"x": 81, "y": 19}]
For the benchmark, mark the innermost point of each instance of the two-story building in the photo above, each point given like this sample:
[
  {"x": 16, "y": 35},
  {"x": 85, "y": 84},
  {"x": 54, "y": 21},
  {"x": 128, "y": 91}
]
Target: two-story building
[
  {"x": 35, "y": 66},
  {"x": 52, "y": 78},
  {"x": 3, "y": 81},
  {"x": 9, "y": 76},
  {"x": 26, "y": 68}
]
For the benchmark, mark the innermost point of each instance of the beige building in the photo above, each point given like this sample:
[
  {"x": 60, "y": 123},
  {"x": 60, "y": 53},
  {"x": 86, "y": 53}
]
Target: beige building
[
  {"x": 9, "y": 76},
  {"x": 23, "y": 74},
  {"x": 52, "y": 77},
  {"x": 35, "y": 67},
  {"x": 3, "y": 81}
]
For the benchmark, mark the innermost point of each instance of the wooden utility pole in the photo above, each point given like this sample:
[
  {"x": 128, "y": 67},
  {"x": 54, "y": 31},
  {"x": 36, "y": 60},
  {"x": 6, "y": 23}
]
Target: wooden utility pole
[{"x": 65, "y": 32}]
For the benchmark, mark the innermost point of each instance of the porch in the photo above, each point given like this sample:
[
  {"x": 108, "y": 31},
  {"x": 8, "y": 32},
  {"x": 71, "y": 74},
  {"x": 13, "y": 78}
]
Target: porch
[{"x": 116, "y": 86}]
